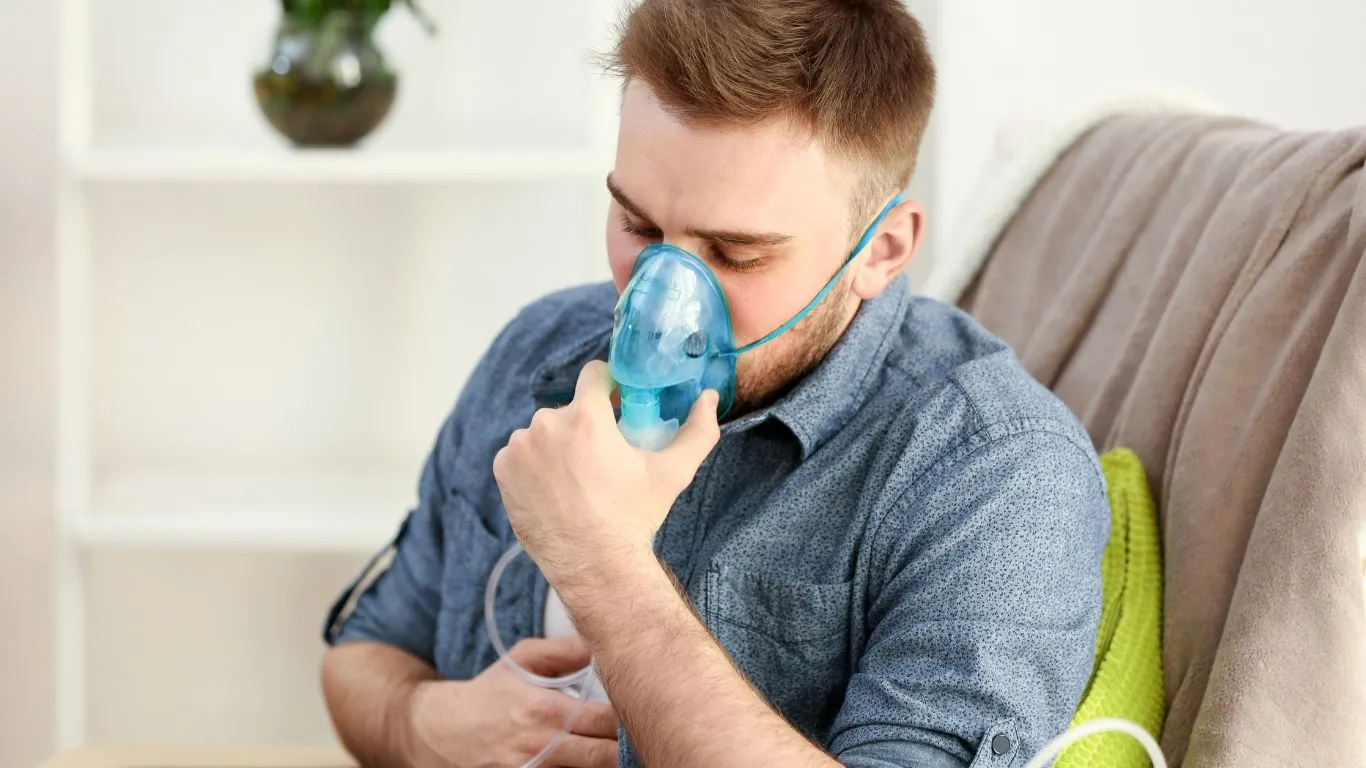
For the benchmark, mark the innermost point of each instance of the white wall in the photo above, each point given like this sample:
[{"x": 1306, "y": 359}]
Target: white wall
[
  {"x": 1298, "y": 64},
  {"x": 27, "y": 153},
  {"x": 924, "y": 184}
]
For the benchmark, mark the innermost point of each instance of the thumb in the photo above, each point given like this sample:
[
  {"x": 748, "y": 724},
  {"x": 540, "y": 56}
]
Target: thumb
[
  {"x": 696, "y": 438},
  {"x": 551, "y": 656}
]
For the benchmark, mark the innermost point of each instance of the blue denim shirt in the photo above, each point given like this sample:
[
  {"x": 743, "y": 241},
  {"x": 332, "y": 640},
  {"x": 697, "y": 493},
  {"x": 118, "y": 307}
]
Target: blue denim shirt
[{"x": 902, "y": 554}]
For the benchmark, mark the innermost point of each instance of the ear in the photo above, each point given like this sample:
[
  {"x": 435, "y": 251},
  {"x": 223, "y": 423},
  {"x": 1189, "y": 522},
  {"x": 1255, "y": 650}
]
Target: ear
[{"x": 891, "y": 249}]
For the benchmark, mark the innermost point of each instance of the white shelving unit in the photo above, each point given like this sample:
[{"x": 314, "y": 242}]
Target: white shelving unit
[
  {"x": 217, "y": 511},
  {"x": 166, "y": 508},
  {"x": 328, "y": 166}
]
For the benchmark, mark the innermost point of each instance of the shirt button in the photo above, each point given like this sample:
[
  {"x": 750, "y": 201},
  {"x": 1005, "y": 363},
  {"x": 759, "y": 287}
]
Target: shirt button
[{"x": 1001, "y": 744}]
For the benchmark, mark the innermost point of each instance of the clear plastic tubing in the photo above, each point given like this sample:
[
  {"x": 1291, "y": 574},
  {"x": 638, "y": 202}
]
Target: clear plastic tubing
[
  {"x": 574, "y": 683},
  {"x": 1067, "y": 738},
  {"x": 642, "y": 427}
]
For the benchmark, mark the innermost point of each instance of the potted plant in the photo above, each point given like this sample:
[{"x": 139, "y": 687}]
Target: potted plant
[{"x": 326, "y": 83}]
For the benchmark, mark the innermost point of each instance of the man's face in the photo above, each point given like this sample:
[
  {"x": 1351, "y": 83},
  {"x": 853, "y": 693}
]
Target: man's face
[{"x": 764, "y": 206}]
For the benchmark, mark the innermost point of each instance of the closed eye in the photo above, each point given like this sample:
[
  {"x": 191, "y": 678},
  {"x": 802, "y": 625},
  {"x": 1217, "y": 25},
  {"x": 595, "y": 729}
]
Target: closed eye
[
  {"x": 718, "y": 255},
  {"x": 646, "y": 232}
]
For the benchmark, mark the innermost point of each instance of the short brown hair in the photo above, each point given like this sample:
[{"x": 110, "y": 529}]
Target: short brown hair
[{"x": 857, "y": 73}]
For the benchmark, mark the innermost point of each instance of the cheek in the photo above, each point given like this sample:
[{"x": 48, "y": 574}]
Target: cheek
[
  {"x": 754, "y": 310},
  {"x": 760, "y": 303}
]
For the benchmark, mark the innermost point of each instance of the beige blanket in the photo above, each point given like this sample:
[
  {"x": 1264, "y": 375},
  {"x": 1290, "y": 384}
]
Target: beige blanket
[{"x": 1194, "y": 287}]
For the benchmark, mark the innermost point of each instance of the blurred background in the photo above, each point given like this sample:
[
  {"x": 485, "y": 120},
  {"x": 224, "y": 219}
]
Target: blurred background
[{"x": 222, "y": 361}]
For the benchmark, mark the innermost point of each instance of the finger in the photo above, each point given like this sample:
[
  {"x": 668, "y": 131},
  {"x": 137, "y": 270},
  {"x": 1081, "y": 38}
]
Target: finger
[
  {"x": 593, "y": 392},
  {"x": 584, "y": 752},
  {"x": 500, "y": 465},
  {"x": 551, "y": 656},
  {"x": 697, "y": 436},
  {"x": 596, "y": 720}
]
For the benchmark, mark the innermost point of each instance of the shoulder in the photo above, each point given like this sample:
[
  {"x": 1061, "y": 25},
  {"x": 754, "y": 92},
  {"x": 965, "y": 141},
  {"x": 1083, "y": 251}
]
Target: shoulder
[
  {"x": 543, "y": 332},
  {"x": 555, "y": 323},
  {"x": 965, "y": 411},
  {"x": 580, "y": 305},
  {"x": 956, "y": 387}
]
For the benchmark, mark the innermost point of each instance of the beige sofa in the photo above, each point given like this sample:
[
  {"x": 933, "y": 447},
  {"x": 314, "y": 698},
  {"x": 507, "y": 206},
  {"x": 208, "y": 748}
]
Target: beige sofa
[{"x": 1193, "y": 285}]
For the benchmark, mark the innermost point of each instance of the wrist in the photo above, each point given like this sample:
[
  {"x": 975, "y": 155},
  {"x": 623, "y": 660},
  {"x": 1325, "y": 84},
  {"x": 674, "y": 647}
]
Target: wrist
[
  {"x": 407, "y": 707},
  {"x": 610, "y": 569}
]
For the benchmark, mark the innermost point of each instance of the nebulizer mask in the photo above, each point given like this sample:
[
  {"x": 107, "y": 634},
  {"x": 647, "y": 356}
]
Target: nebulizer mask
[{"x": 671, "y": 340}]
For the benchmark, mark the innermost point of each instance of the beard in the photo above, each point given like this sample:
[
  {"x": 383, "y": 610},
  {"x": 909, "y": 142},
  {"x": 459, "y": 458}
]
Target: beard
[{"x": 771, "y": 371}]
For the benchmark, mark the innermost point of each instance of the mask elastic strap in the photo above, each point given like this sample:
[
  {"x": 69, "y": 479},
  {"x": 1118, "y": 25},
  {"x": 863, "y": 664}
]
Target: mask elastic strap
[{"x": 829, "y": 285}]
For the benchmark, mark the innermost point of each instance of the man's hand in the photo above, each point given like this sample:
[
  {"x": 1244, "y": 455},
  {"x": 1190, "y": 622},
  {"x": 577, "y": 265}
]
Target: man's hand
[
  {"x": 497, "y": 720},
  {"x": 576, "y": 492},
  {"x": 586, "y": 505}
]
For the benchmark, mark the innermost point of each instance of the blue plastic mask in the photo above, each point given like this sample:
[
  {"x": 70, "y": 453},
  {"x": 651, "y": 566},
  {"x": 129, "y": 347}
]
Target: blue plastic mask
[{"x": 672, "y": 338}]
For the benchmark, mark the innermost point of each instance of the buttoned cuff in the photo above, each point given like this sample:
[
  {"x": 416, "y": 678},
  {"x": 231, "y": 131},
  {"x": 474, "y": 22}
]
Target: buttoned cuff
[{"x": 999, "y": 748}]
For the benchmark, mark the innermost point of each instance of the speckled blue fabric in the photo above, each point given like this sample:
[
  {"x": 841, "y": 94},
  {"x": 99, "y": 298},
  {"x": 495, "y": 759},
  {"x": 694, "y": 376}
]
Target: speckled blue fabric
[{"x": 903, "y": 554}]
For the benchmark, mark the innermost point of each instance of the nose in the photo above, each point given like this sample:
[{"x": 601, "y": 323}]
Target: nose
[{"x": 684, "y": 243}]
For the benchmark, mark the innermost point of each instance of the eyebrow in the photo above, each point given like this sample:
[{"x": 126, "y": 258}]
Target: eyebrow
[{"x": 721, "y": 237}]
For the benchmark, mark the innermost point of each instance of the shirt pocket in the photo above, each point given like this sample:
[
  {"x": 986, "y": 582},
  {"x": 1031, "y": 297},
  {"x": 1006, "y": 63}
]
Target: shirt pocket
[{"x": 789, "y": 637}]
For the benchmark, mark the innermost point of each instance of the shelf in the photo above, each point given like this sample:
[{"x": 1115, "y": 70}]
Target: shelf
[
  {"x": 311, "y": 511},
  {"x": 330, "y": 166}
]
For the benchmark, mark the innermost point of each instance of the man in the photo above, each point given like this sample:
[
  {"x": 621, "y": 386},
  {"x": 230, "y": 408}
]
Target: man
[{"x": 888, "y": 554}]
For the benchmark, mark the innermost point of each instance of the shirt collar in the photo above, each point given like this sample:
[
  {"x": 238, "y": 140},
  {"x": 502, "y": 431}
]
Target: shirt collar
[
  {"x": 821, "y": 404},
  {"x": 816, "y": 408}
]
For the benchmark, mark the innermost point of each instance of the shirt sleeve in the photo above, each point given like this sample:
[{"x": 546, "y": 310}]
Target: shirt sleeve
[
  {"x": 396, "y": 597},
  {"x": 983, "y": 608}
]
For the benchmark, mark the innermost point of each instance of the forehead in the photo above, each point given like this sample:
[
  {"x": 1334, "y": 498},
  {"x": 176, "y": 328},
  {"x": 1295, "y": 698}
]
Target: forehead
[{"x": 773, "y": 175}]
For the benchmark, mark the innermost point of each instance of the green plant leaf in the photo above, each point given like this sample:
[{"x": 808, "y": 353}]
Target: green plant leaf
[{"x": 314, "y": 13}]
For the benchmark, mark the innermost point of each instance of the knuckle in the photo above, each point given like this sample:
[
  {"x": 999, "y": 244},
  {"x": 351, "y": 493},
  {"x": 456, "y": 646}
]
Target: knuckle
[
  {"x": 515, "y": 749},
  {"x": 541, "y": 419},
  {"x": 503, "y": 459},
  {"x": 524, "y": 715},
  {"x": 581, "y": 418},
  {"x": 545, "y": 709},
  {"x": 527, "y": 743}
]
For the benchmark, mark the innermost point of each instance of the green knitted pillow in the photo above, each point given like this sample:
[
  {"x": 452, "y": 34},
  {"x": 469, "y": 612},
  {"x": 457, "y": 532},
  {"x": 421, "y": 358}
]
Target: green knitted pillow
[{"x": 1127, "y": 679}]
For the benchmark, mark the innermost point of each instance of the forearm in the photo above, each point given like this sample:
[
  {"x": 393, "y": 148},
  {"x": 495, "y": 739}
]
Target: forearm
[
  {"x": 368, "y": 687},
  {"x": 679, "y": 696}
]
